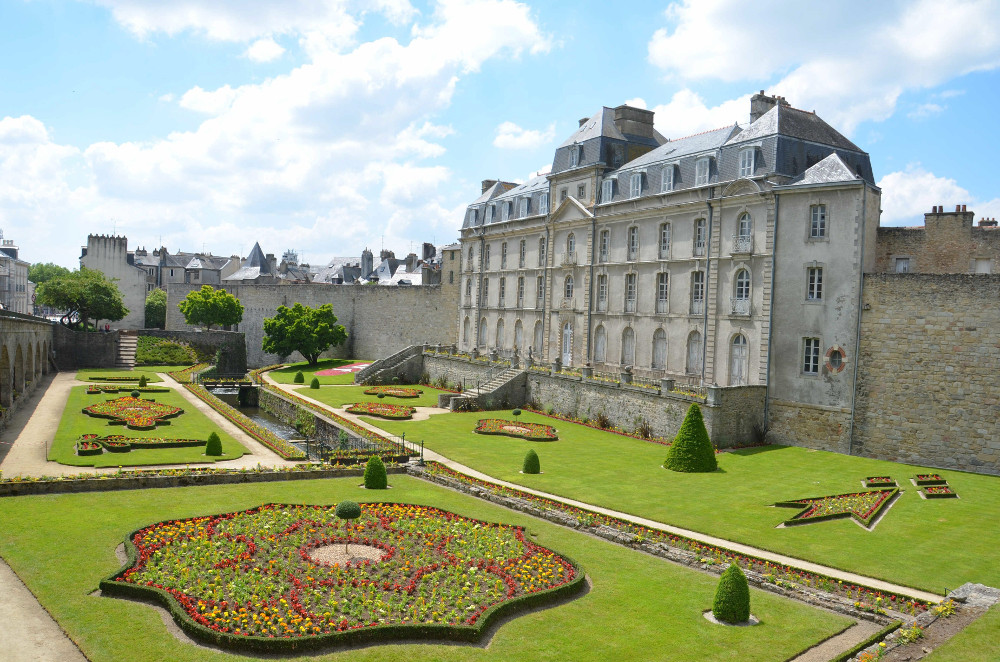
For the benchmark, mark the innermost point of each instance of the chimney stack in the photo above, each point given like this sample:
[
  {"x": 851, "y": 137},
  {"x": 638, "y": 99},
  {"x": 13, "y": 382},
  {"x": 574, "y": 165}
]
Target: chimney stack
[
  {"x": 760, "y": 104},
  {"x": 487, "y": 183},
  {"x": 634, "y": 121}
]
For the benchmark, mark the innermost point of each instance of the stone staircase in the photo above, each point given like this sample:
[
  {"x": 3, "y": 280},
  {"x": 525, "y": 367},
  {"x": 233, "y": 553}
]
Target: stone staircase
[
  {"x": 127, "y": 343},
  {"x": 387, "y": 367},
  {"x": 495, "y": 381}
]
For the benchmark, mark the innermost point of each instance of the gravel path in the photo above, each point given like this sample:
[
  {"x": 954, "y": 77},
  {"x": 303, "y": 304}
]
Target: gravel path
[{"x": 834, "y": 646}]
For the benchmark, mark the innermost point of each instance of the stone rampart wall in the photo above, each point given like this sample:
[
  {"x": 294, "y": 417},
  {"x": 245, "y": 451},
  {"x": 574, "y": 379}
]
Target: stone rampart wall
[
  {"x": 809, "y": 426},
  {"x": 233, "y": 358},
  {"x": 83, "y": 349}
]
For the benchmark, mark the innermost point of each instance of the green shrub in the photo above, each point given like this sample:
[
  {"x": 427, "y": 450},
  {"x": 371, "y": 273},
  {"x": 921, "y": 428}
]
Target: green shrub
[
  {"x": 213, "y": 446},
  {"x": 692, "y": 450},
  {"x": 732, "y": 598},
  {"x": 347, "y": 510},
  {"x": 164, "y": 351},
  {"x": 134, "y": 394},
  {"x": 299, "y": 378},
  {"x": 314, "y": 383},
  {"x": 375, "y": 477},
  {"x": 142, "y": 381},
  {"x": 531, "y": 463}
]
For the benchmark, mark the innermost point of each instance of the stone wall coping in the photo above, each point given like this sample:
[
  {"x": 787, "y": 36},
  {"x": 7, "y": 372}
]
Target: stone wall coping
[{"x": 806, "y": 405}]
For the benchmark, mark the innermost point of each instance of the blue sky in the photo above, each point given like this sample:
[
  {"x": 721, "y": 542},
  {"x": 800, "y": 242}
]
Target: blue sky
[{"x": 329, "y": 127}]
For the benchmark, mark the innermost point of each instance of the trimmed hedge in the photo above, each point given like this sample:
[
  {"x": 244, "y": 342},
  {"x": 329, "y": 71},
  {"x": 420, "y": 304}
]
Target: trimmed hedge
[
  {"x": 314, "y": 383},
  {"x": 299, "y": 378},
  {"x": 531, "y": 463},
  {"x": 732, "y": 597},
  {"x": 375, "y": 476},
  {"x": 213, "y": 447},
  {"x": 692, "y": 450}
]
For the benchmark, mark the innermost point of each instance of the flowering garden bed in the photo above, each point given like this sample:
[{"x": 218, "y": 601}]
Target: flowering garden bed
[
  {"x": 98, "y": 389},
  {"x": 394, "y": 391},
  {"x": 91, "y": 444},
  {"x": 252, "y": 580},
  {"x": 929, "y": 479},
  {"x": 135, "y": 413},
  {"x": 529, "y": 431},
  {"x": 879, "y": 481},
  {"x": 939, "y": 492},
  {"x": 382, "y": 410},
  {"x": 862, "y": 506}
]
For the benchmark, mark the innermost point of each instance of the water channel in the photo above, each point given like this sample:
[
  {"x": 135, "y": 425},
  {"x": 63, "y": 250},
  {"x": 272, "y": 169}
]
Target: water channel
[{"x": 283, "y": 430}]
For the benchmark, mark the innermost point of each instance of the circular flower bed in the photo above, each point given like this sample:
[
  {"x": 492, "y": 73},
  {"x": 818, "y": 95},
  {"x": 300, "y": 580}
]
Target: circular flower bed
[
  {"x": 529, "y": 431},
  {"x": 136, "y": 413},
  {"x": 381, "y": 410},
  {"x": 394, "y": 391},
  {"x": 251, "y": 580}
]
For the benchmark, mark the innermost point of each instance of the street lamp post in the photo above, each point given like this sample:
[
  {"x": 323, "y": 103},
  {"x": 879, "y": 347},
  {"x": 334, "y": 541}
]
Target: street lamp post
[{"x": 421, "y": 462}]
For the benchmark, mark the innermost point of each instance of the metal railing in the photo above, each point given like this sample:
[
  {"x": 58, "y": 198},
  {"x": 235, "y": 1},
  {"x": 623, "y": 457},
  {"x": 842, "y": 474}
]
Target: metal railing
[
  {"x": 739, "y": 306},
  {"x": 742, "y": 243},
  {"x": 697, "y": 307},
  {"x": 568, "y": 259}
]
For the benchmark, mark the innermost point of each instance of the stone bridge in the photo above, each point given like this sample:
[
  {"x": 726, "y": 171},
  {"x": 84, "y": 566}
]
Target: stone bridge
[{"x": 26, "y": 343}]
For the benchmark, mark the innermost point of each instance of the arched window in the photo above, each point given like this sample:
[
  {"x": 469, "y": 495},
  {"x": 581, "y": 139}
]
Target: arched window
[
  {"x": 601, "y": 344},
  {"x": 628, "y": 346},
  {"x": 567, "y": 343},
  {"x": 538, "y": 338},
  {"x": 693, "y": 366},
  {"x": 743, "y": 240},
  {"x": 500, "y": 334},
  {"x": 741, "y": 293},
  {"x": 519, "y": 335},
  {"x": 571, "y": 243},
  {"x": 466, "y": 330},
  {"x": 745, "y": 225},
  {"x": 482, "y": 332},
  {"x": 738, "y": 360},
  {"x": 659, "y": 349},
  {"x": 568, "y": 287}
]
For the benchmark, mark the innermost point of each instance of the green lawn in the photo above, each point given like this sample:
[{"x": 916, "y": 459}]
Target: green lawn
[
  {"x": 638, "y": 608},
  {"x": 95, "y": 374},
  {"x": 286, "y": 375},
  {"x": 934, "y": 545},
  {"x": 338, "y": 396},
  {"x": 975, "y": 643},
  {"x": 192, "y": 424}
]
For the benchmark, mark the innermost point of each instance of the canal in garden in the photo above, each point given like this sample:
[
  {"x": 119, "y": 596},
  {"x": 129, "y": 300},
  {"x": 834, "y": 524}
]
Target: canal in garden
[{"x": 231, "y": 396}]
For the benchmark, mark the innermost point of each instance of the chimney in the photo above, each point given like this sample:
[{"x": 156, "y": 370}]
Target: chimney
[
  {"x": 386, "y": 254},
  {"x": 634, "y": 121},
  {"x": 367, "y": 263},
  {"x": 760, "y": 103},
  {"x": 487, "y": 183},
  {"x": 428, "y": 251},
  {"x": 411, "y": 263}
]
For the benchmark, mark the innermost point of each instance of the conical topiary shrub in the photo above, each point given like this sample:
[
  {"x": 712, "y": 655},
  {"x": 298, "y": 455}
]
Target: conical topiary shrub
[
  {"x": 375, "y": 477},
  {"x": 732, "y": 598},
  {"x": 299, "y": 378},
  {"x": 213, "y": 446},
  {"x": 531, "y": 463},
  {"x": 142, "y": 381},
  {"x": 314, "y": 383},
  {"x": 692, "y": 450}
]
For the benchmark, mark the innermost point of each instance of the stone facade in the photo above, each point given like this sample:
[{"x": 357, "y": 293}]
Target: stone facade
[
  {"x": 927, "y": 386},
  {"x": 25, "y": 346},
  {"x": 110, "y": 256},
  {"x": 948, "y": 243},
  {"x": 82, "y": 349}
]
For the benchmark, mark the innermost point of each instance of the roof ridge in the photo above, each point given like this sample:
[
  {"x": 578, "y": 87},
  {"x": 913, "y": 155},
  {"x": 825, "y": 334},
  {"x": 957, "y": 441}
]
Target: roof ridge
[{"x": 701, "y": 133}]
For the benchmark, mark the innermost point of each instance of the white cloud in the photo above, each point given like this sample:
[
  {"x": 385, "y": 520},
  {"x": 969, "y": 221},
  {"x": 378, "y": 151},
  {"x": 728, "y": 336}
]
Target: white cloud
[
  {"x": 544, "y": 170},
  {"x": 167, "y": 98},
  {"x": 909, "y": 194},
  {"x": 511, "y": 136},
  {"x": 637, "y": 102},
  {"x": 925, "y": 110},
  {"x": 211, "y": 103},
  {"x": 686, "y": 113},
  {"x": 264, "y": 50},
  {"x": 853, "y": 70}
]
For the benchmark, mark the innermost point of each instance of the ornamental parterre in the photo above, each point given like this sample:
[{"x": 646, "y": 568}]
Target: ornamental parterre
[
  {"x": 862, "y": 506},
  {"x": 394, "y": 391},
  {"x": 251, "y": 580},
  {"x": 91, "y": 444},
  {"x": 135, "y": 413},
  {"x": 381, "y": 409},
  {"x": 529, "y": 431},
  {"x": 98, "y": 389}
]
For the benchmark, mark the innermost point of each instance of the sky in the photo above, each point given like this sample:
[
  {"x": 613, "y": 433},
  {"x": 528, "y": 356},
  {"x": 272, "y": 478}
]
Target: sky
[{"x": 328, "y": 127}]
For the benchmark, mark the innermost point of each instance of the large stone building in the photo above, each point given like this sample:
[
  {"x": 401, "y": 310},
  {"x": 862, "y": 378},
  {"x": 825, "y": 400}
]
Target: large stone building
[
  {"x": 16, "y": 292},
  {"x": 110, "y": 256}
]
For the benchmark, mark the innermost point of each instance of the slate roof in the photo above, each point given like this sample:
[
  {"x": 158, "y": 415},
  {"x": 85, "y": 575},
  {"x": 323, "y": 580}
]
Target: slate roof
[
  {"x": 676, "y": 149},
  {"x": 255, "y": 266},
  {"x": 540, "y": 183},
  {"x": 794, "y": 123},
  {"x": 602, "y": 124},
  {"x": 829, "y": 170}
]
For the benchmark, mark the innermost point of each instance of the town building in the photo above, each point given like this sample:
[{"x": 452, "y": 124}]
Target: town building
[{"x": 16, "y": 292}]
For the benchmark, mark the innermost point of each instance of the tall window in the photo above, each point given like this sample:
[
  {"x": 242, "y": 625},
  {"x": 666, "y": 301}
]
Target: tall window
[
  {"x": 504, "y": 211},
  {"x": 602, "y": 293},
  {"x": 519, "y": 335},
  {"x": 468, "y": 263},
  {"x": 742, "y": 285},
  {"x": 814, "y": 289},
  {"x": 568, "y": 287},
  {"x": 574, "y": 155},
  {"x": 810, "y": 356},
  {"x": 630, "y": 293},
  {"x": 537, "y": 338},
  {"x": 607, "y": 190},
  {"x": 503, "y": 255},
  {"x": 817, "y": 224},
  {"x": 520, "y": 292},
  {"x": 570, "y": 243},
  {"x": 697, "y": 292},
  {"x": 701, "y": 172},
  {"x": 693, "y": 365},
  {"x": 604, "y": 246},
  {"x": 635, "y": 185},
  {"x": 662, "y": 292},
  {"x": 482, "y": 332},
  {"x": 503, "y": 290},
  {"x": 468, "y": 292},
  {"x": 466, "y": 330},
  {"x": 699, "y": 237},
  {"x": 664, "y": 241},
  {"x": 522, "y": 250},
  {"x": 543, "y": 203},
  {"x": 633, "y": 242},
  {"x": 486, "y": 292},
  {"x": 539, "y": 292},
  {"x": 525, "y": 206},
  {"x": 668, "y": 179},
  {"x": 486, "y": 257},
  {"x": 745, "y": 226},
  {"x": 541, "y": 252},
  {"x": 659, "y": 350},
  {"x": 738, "y": 361},
  {"x": 601, "y": 344},
  {"x": 628, "y": 346},
  {"x": 500, "y": 334},
  {"x": 490, "y": 213},
  {"x": 747, "y": 163}
]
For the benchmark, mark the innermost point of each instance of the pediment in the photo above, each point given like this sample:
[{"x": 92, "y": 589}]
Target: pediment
[
  {"x": 571, "y": 209},
  {"x": 741, "y": 186}
]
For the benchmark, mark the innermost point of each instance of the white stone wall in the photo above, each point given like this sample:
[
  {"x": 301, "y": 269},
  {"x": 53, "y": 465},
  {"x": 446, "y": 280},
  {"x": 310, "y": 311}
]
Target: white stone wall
[{"x": 109, "y": 255}]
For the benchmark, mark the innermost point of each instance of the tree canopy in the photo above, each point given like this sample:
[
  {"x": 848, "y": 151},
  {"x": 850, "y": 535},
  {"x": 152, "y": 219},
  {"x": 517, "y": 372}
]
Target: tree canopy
[
  {"x": 156, "y": 309},
  {"x": 40, "y": 273},
  {"x": 308, "y": 331},
  {"x": 209, "y": 306},
  {"x": 85, "y": 294}
]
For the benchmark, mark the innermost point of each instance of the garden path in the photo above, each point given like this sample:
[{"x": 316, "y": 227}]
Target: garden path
[
  {"x": 801, "y": 564},
  {"x": 834, "y": 646}
]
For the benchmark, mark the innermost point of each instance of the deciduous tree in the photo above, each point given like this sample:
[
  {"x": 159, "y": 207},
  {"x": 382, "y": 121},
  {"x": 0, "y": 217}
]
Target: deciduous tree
[
  {"x": 86, "y": 295},
  {"x": 308, "y": 331},
  {"x": 156, "y": 309},
  {"x": 209, "y": 306}
]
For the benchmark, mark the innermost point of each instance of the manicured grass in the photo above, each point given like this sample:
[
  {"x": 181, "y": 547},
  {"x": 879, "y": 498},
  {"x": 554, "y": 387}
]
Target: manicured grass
[
  {"x": 975, "y": 643},
  {"x": 338, "y": 396},
  {"x": 934, "y": 545},
  {"x": 286, "y": 375},
  {"x": 192, "y": 424},
  {"x": 95, "y": 374},
  {"x": 638, "y": 608}
]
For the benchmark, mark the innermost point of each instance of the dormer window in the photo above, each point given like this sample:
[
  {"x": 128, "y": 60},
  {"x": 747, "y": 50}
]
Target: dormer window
[
  {"x": 668, "y": 179},
  {"x": 747, "y": 162},
  {"x": 490, "y": 213},
  {"x": 607, "y": 190},
  {"x": 575, "y": 153},
  {"x": 525, "y": 207},
  {"x": 504, "y": 211},
  {"x": 543, "y": 203},
  {"x": 472, "y": 217},
  {"x": 701, "y": 172},
  {"x": 635, "y": 185}
]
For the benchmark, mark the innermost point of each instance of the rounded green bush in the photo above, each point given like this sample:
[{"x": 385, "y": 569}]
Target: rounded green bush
[
  {"x": 214, "y": 445},
  {"x": 375, "y": 476},
  {"x": 314, "y": 383},
  {"x": 348, "y": 510},
  {"x": 134, "y": 394},
  {"x": 142, "y": 381},
  {"x": 732, "y": 598},
  {"x": 299, "y": 378},
  {"x": 692, "y": 450},
  {"x": 531, "y": 463}
]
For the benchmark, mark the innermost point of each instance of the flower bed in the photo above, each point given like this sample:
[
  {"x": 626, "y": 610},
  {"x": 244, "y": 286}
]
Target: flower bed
[
  {"x": 97, "y": 389},
  {"x": 929, "y": 479},
  {"x": 529, "y": 431},
  {"x": 879, "y": 481},
  {"x": 258, "y": 432},
  {"x": 939, "y": 492},
  {"x": 382, "y": 410},
  {"x": 88, "y": 448},
  {"x": 119, "y": 443},
  {"x": 630, "y": 532},
  {"x": 184, "y": 376},
  {"x": 862, "y": 506},
  {"x": 394, "y": 391},
  {"x": 114, "y": 378},
  {"x": 250, "y": 580},
  {"x": 135, "y": 413}
]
